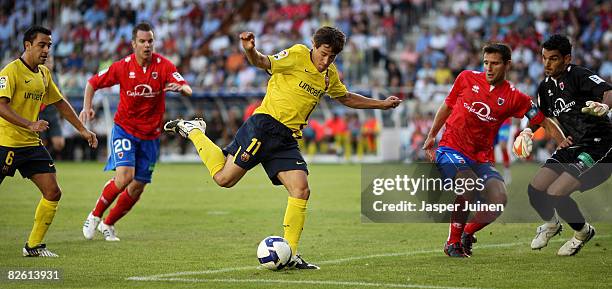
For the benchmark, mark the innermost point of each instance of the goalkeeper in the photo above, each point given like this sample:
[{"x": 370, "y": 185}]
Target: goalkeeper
[{"x": 580, "y": 101}]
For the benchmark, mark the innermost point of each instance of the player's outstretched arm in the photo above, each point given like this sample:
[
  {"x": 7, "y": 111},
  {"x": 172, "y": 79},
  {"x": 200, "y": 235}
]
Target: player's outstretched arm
[
  {"x": 553, "y": 130},
  {"x": 87, "y": 113},
  {"x": 599, "y": 108},
  {"x": 255, "y": 57},
  {"x": 354, "y": 100},
  {"x": 66, "y": 110},
  {"x": 184, "y": 89},
  {"x": 11, "y": 116},
  {"x": 441, "y": 116}
]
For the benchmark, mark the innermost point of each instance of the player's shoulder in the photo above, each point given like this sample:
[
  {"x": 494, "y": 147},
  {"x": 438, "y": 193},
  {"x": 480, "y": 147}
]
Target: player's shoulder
[
  {"x": 578, "y": 70},
  {"x": 296, "y": 51},
  {"x": 160, "y": 59},
  {"x": 44, "y": 69},
  {"x": 333, "y": 69},
  {"x": 470, "y": 74},
  {"x": 123, "y": 61},
  {"x": 11, "y": 67},
  {"x": 299, "y": 49}
]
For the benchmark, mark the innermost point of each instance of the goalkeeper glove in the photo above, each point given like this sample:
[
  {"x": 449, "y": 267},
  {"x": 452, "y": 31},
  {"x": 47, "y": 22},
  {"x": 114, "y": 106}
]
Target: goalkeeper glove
[
  {"x": 523, "y": 144},
  {"x": 596, "y": 108}
]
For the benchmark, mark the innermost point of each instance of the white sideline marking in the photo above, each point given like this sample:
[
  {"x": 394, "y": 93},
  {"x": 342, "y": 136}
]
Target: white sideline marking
[
  {"x": 310, "y": 282},
  {"x": 166, "y": 277}
]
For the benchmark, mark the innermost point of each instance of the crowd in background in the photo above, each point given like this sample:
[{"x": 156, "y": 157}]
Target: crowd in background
[{"x": 410, "y": 48}]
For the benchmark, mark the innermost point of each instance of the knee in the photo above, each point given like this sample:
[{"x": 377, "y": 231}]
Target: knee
[
  {"x": 135, "y": 192},
  {"x": 300, "y": 193},
  {"x": 53, "y": 194},
  {"x": 499, "y": 199},
  {"x": 122, "y": 180},
  {"x": 224, "y": 181},
  {"x": 556, "y": 191},
  {"x": 534, "y": 193}
]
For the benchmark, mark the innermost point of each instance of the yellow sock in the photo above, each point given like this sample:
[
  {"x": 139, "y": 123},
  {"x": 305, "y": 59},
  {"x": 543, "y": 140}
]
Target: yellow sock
[
  {"x": 45, "y": 211},
  {"x": 209, "y": 152},
  {"x": 294, "y": 221}
]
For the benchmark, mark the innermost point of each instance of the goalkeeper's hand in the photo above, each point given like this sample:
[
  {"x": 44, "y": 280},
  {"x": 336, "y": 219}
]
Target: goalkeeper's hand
[
  {"x": 523, "y": 144},
  {"x": 595, "y": 108}
]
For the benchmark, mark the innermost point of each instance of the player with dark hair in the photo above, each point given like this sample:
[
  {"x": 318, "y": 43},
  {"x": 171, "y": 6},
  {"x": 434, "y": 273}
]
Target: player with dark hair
[
  {"x": 299, "y": 78},
  {"x": 580, "y": 100},
  {"x": 474, "y": 110},
  {"x": 143, "y": 77},
  {"x": 25, "y": 85}
]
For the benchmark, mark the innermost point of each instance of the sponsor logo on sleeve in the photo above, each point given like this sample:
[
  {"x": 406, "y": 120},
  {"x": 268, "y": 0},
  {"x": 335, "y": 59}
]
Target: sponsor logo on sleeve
[
  {"x": 281, "y": 55},
  {"x": 3, "y": 82},
  {"x": 595, "y": 78},
  {"x": 177, "y": 76}
]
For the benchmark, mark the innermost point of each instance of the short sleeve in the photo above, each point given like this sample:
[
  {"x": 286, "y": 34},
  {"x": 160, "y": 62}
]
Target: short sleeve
[
  {"x": 592, "y": 83},
  {"x": 455, "y": 90},
  {"x": 522, "y": 103},
  {"x": 336, "y": 87},
  {"x": 7, "y": 84},
  {"x": 107, "y": 77},
  {"x": 526, "y": 108},
  {"x": 283, "y": 61},
  {"x": 173, "y": 76},
  {"x": 53, "y": 93}
]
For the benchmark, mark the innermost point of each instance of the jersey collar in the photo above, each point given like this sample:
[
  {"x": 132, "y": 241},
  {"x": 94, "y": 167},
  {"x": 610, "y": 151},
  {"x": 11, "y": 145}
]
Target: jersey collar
[{"x": 26, "y": 65}]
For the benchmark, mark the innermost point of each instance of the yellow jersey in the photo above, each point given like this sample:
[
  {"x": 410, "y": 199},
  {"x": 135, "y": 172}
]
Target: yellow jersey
[
  {"x": 296, "y": 86},
  {"x": 26, "y": 90}
]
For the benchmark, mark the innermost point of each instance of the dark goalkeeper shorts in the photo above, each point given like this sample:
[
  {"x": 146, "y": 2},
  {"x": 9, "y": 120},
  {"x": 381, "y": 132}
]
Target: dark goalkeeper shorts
[
  {"x": 28, "y": 160},
  {"x": 590, "y": 163},
  {"x": 263, "y": 139}
]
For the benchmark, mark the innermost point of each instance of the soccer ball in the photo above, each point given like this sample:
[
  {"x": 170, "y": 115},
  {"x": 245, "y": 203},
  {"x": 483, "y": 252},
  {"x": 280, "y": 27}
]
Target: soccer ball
[
  {"x": 274, "y": 253},
  {"x": 523, "y": 144}
]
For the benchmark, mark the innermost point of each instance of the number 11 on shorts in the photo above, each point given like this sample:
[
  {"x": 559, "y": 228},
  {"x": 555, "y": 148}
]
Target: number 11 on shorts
[{"x": 254, "y": 146}]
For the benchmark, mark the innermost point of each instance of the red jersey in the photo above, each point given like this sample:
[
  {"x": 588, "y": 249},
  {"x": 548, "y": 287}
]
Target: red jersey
[
  {"x": 141, "y": 93},
  {"x": 478, "y": 110}
]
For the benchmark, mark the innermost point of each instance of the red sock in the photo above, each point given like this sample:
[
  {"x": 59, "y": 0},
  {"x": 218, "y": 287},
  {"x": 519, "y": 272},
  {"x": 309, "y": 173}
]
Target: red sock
[
  {"x": 109, "y": 193},
  {"x": 457, "y": 221},
  {"x": 124, "y": 204},
  {"x": 506, "y": 157},
  {"x": 480, "y": 220}
]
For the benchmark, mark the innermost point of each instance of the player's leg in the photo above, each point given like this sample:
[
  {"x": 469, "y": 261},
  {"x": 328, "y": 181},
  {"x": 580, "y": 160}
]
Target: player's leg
[
  {"x": 44, "y": 215},
  {"x": 285, "y": 165},
  {"x": 36, "y": 164},
  {"x": 126, "y": 201},
  {"x": 296, "y": 183},
  {"x": 543, "y": 203},
  {"x": 211, "y": 155},
  {"x": 230, "y": 174},
  {"x": 122, "y": 159},
  {"x": 224, "y": 170},
  {"x": 494, "y": 193},
  {"x": 560, "y": 191},
  {"x": 452, "y": 166}
]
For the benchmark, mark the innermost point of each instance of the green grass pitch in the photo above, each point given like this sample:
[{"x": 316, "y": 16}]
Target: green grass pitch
[{"x": 188, "y": 233}]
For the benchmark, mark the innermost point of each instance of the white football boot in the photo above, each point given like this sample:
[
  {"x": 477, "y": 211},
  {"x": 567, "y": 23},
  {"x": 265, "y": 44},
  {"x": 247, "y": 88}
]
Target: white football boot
[
  {"x": 580, "y": 238},
  {"x": 89, "y": 227},
  {"x": 183, "y": 127},
  {"x": 544, "y": 233},
  {"x": 37, "y": 251},
  {"x": 108, "y": 232}
]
